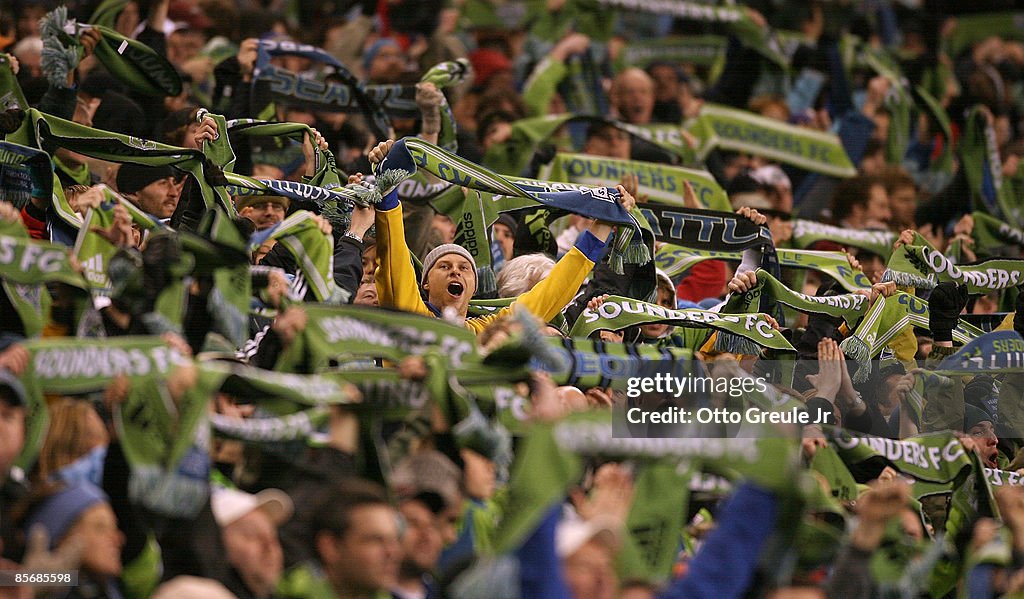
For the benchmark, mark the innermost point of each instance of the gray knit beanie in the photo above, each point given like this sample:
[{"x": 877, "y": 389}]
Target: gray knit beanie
[{"x": 442, "y": 250}]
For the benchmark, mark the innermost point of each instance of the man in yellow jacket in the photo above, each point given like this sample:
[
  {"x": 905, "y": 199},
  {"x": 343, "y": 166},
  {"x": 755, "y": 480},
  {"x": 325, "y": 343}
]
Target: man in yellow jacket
[{"x": 449, "y": 271}]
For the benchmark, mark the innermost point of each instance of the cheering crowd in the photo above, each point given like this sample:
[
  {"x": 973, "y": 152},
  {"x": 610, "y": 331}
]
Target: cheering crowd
[{"x": 355, "y": 299}]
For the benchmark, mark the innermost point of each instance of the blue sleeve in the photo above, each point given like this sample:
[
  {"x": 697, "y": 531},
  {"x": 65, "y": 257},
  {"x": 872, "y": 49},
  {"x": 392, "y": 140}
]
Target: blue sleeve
[
  {"x": 540, "y": 568},
  {"x": 840, "y": 99},
  {"x": 979, "y": 581},
  {"x": 389, "y": 201},
  {"x": 855, "y": 131},
  {"x": 592, "y": 247},
  {"x": 724, "y": 566}
]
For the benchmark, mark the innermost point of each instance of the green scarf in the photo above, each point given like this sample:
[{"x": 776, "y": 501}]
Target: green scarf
[
  {"x": 133, "y": 63},
  {"x": 107, "y": 11},
  {"x": 71, "y": 366},
  {"x": 26, "y": 266},
  {"x": 165, "y": 442},
  {"x": 662, "y": 184},
  {"x": 40, "y": 128},
  {"x": 984, "y": 170},
  {"x": 886, "y": 319},
  {"x": 827, "y": 462},
  {"x": 971, "y": 28},
  {"x": 898, "y": 101},
  {"x": 763, "y": 40},
  {"x": 313, "y": 252},
  {"x": 930, "y": 104},
  {"x": 93, "y": 251},
  {"x": 11, "y": 95},
  {"x": 991, "y": 235},
  {"x": 934, "y": 458},
  {"x": 325, "y": 170},
  {"x": 850, "y": 307},
  {"x": 617, "y": 313},
  {"x": 513, "y": 156},
  {"x": 808, "y": 232},
  {"x": 743, "y": 131},
  {"x": 656, "y": 517},
  {"x": 28, "y": 261},
  {"x": 700, "y": 50},
  {"x": 445, "y": 75},
  {"x": 359, "y": 333},
  {"x": 474, "y": 224},
  {"x": 675, "y": 261},
  {"x": 297, "y": 426},
  {"x": 231, "y": 298},
  {"x": 922, "y": 267},
  {"x": 769, "y": 459}
]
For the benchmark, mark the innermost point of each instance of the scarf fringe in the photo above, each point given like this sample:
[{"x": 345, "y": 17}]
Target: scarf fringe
[
  {"x": 57, "y": 59},
  {"x": 735, "y": 344},
  {"x": 167, "y": 493},
  {"x": 385, "y": 182},
  {"x": 338, "y": 218},
  {"x": 486, "y": 283},
  {"x": 860, "y": 352},
  {"x": 543, "y": 352},
  {"x": 232, "y": 322},
  {"x": 637, "y": 253},
  {"x": 158, "y": 324}
]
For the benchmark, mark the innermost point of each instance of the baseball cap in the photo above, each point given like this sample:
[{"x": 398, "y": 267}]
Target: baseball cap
[{"x": 230, "y": 505}]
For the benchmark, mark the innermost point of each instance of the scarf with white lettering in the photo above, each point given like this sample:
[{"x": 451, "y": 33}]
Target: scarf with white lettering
[
  {"x": 743, "y": 131},
  {"x": 808, "y": 232},
  {"x": 661, "y": 183},
  {"x": 992, "y": 236},
  {"x": 991, "y": 353},
  {"x": 923, "y": 267},
  {"x": 72, "y": 366},
  {"x": 348, "y": 94},
  {"x": 675, "y": 261},
  {"x": 769, "y": 290},
  {"x": 618, "y": 313},
  {"x": 513, "y": 156},
  {"x": 335, "y": 334},
  {"x": 702, "y": 50},
  {"x": 26, "y": 265}
]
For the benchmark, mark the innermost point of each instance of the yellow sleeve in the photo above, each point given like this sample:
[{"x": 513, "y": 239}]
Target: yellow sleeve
[{"x": 395, "y": 276}]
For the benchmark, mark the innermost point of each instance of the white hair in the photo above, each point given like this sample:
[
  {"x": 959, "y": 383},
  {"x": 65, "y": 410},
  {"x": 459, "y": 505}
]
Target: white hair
[
  {"x": 520, "y": 274},
  {"x": 29, "y": 45}
]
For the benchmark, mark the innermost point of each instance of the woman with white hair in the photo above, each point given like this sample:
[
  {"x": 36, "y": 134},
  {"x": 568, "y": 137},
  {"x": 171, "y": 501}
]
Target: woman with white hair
[{"x": 520, "y": 274}]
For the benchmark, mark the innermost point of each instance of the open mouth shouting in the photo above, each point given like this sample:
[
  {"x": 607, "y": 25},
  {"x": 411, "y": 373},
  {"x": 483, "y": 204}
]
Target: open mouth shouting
[{"x": 456, "y": 289}]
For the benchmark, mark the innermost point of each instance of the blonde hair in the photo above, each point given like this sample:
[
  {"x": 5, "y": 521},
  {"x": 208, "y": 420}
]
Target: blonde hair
[
  {"x": 520, "y": 274},
  {"x": 69, "y": 436}
]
